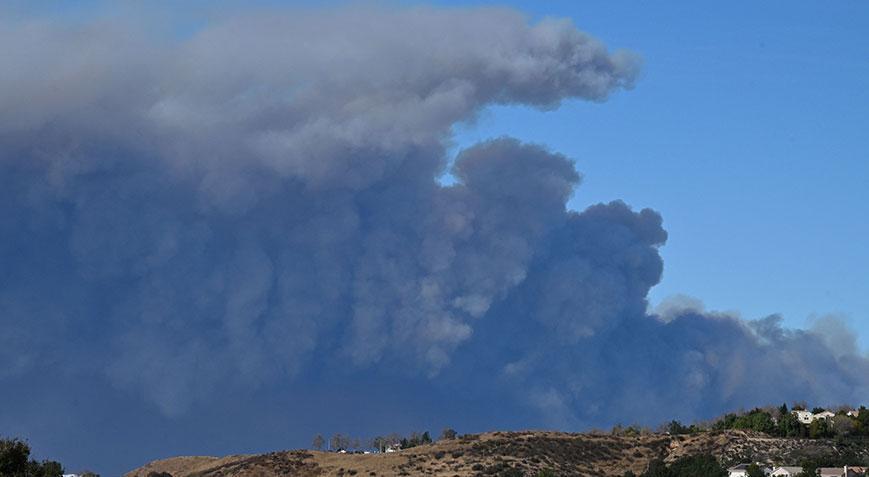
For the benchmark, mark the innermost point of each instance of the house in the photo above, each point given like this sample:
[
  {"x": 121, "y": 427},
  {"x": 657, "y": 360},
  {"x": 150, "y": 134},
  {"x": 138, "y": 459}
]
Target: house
[
  {"x": 786, "y": 471},
  {"x": 393, "y": 448},
  {"x": 824, "y": 415},
  {"x": 851, "y": 471},
  {"x": 831, "y": 472},
  {"x": 805, "y": 417},
  {"x": 741, "y": 470},
  {"x": 853, "y": 413}
]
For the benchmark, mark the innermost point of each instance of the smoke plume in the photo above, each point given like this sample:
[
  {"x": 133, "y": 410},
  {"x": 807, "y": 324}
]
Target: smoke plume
[{"x": 250, "y": 207}]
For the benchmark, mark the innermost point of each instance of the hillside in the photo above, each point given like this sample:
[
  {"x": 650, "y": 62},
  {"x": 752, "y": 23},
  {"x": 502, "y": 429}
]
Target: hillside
[{"x": 496, "y": 453}]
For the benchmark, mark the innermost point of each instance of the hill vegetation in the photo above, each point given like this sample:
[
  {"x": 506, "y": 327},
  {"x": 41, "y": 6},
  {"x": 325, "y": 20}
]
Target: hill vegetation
[
  {"x": 782, "y": 422},
  {"x": 533, "y": 454},
  {"x": 768, "y": 435}
]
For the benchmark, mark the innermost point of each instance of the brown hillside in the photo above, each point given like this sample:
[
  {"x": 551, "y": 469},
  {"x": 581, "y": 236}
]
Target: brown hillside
[{"x": 493, "y": 454}]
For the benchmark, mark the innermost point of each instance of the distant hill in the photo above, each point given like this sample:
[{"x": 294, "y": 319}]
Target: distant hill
[{"x": 515, "y": 454}]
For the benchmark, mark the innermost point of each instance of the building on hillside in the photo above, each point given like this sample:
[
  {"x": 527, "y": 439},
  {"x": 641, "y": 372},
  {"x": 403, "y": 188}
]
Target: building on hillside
[
  {"x": 853, "y": 413},
  {"x": 393, "y": 448},
  {"x": 805, "y": 417},
  {"x": 786, "y": 471},
  {"x": 741, "y": 470},
  {"x": 852, "y": 471},
  {"x": 831, "y": 472}
]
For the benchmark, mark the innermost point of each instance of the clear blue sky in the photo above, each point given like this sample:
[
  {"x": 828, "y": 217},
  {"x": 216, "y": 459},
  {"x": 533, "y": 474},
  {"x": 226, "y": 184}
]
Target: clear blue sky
[{"x": 748, "y": 131}]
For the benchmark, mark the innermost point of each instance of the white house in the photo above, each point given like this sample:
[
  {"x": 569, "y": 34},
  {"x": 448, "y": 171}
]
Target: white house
[
  {"x": 824, "y": 415},
  {"x": 786, "y": 471},
  {"x": 846, "y": 471},
  {"x": 740, "y": 470},
  {"x": 854, "y": 413},
  {"x": 806, "y": 417},
  {"x": 393, "y": 448}
]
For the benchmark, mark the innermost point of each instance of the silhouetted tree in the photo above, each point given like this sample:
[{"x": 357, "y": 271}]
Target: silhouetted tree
[
  {"x": 339, "y": 441},
  {"x": 676, "y": 428},
  {"x": 15, "y": 461}
]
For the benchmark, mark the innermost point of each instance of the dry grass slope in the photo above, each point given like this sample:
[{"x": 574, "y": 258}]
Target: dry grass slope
[{"x": 509, "y": 453}]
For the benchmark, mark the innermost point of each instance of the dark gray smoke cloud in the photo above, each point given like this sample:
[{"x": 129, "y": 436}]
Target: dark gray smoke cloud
[{"x": 260, "y": 204}]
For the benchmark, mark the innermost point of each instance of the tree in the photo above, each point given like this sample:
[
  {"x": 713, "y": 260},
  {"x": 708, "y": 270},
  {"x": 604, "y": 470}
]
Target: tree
[
  {"x": 426, "y": 438},
  {"x": 754, "y": 470},
  {"x": 14, "y": 456},
  {"x": 448, "y": 434},
  {"x": 783, "y": 410},
  {"x": 757, "y": 420},
  {"x": 843, "y": 425},
  {"x": 809, "y": 470},
  {"x": 863, "y": 421},
  {"x": 789, "y": 426},
  {"x": 696, "y": 465},
  {"x": 48, "y": 468},
  {"x": 676, "y": 428},
  {"x": 15, "y": 461},
  {"x": 818, "y": 429},
  {"x": 338, "y": 441},
  {"x": 318, "y": 442}
]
